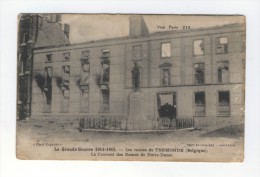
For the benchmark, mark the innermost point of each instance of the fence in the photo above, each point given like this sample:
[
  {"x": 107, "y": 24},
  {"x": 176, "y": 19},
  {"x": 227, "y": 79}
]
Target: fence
[
  {"x": 178, "y": 123},
  {"x": 185, "y": 123},
  {"x": 115, "y": 123},
  {"x": 103, "y": 123},
  {"x": 166, "y": 123}
]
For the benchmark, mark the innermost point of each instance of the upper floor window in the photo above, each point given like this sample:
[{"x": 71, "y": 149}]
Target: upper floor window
[
  {"x": 166, "y": 50},
  {"x": 66, "y": 75},
  {"x": 222, "y": 45},
  {"x": 105, "y": 71},
  {"x": 48, "y": 77},
  {"x": 223, "y": 72},
  {"x": 165, "y": 76},
  {"x": 66, "y": 56},
  {"x": 84, "y": 75},
  {"x": 65, "y": 91},
  {"x": 85, "y": 55},
  {"x": 49, "y": 58},
  {"x": 47, "y": 87},
  {"x": 199, "y": 70},
  {"x": 137, "y": 52},
  {"x": 198, "y": 47}
]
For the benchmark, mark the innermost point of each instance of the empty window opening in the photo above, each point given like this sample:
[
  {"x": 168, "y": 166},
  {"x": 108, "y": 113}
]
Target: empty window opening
[
  {"x": 65, "y": 92},
  {"x": 47, "y": 88},
  {"x": 198, "y": 47},
  {"x": 105, "y": 100},
  {"x": 49, "y": 58},
  {"x": 222, "y": 45},
  {"x": 66, "y": 56},
  {"x": 85, "y": 55},
  {"x": 166, "y": 103},
  {"x": 165, "y": 50},
  {"x": 200, "y": 104},
  {"x": 223, "y": 72},
  {"x": 199, "y": 73}
]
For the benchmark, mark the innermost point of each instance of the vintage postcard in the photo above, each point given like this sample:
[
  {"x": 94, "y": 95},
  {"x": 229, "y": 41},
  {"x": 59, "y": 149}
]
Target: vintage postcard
[{"x": 130, "y": 87}]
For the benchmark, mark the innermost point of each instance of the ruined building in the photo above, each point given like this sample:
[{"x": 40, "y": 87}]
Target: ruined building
[{"x": 196, "y": 73}]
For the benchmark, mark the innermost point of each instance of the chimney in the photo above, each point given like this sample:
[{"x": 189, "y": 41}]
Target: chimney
[
  {"x": 67, "y": 29},
  {"x": 137, "y": 26},
  {"x": 58, "y": 18},
  {"x": 40, "y": 21}
]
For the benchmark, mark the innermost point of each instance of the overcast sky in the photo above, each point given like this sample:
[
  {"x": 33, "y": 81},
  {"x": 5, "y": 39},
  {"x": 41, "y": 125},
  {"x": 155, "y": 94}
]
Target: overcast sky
[{"x": 85, "y": 28}]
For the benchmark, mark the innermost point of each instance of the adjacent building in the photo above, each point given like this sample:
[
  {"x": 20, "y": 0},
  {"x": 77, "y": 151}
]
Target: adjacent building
[
  {"x": 35, "y": 30},
  {"x": 196, "y": 73}
]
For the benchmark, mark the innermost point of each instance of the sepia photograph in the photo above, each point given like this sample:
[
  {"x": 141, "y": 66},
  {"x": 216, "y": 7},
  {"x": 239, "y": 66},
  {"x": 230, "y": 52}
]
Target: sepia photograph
[{"x": 130, "y": 87}]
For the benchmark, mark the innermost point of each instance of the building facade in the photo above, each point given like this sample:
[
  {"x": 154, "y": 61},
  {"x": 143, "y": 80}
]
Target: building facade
[{"x": 195, "y": 73}]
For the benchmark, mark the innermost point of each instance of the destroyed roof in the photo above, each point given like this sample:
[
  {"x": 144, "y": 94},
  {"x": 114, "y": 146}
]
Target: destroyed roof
[{"x": 51, "y": 34}]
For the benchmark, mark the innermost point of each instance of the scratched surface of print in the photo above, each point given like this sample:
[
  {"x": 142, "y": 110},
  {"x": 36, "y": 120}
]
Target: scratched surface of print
[{"x": 131, "y": 87}]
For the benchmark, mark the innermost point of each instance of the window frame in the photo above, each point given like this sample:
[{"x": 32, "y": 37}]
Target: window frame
[
  {"x": 47, "y": 102},
  {"x": 84, "y": 62},
  {"x": 63, "y": 56},
  {"x": 81, "y": 108},
  {"x": 194, "y": 74},
  {"x": 161, "y": 50},
  {"x": 173, "y": 94},
  {"x": 63, "y": 71},
  {"x": 85, "y": 58},
  {"x": 47, "y": 58},
  {"x": 67, "y": 88},
  {"x": 225, "y": 45},
  {"x": 218, "y": 104},
  {"x": 103, "y": 73},
  {"x": 46, "y": 73},
  {"x": 193, "y": 47},
  {"x": 101, "y": 110},
  {"x": 228, "y": 80},
  {"x": 194, "y": 104}
]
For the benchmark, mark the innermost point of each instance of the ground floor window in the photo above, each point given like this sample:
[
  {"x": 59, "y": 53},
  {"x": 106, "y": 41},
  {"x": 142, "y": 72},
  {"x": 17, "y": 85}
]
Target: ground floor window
[
  {"x": 65, "y": 100},
  {"x": 47, "y": 88},
  {"x": 65, "y": 91},
  {"x": 105, "y": 100},
  {"x": 47, "y": 101},
  {"x": 199, "y": 104},
  {"x": 84, "y": 100},
  {"x": 167, "y": 105},
  {"x": 223, "y": 103}
]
